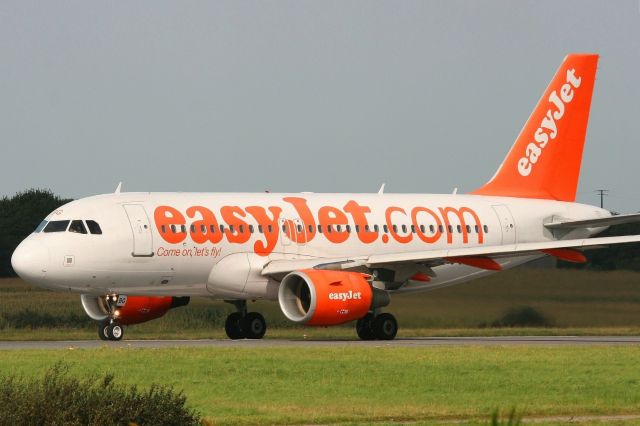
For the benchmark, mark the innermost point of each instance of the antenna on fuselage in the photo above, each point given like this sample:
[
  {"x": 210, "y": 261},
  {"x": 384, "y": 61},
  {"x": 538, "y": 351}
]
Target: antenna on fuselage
[
  {"x": 455, "y": 191},
  {"x": 381, "y": 190},
  {"x": 118, "y": 188}
]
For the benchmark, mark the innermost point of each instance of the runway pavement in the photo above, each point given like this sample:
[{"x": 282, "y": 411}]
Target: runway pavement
[{"x": 270, "y": 343}]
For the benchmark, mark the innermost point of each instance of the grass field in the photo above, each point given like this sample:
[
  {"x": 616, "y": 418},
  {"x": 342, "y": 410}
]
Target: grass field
[
  {"x": 573, "y": 302},
  {"x": 365, "y": 384}
]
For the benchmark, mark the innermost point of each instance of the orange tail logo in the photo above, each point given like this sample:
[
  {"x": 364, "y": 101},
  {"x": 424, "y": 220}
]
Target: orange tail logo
[{"x": 545, "y": 159}]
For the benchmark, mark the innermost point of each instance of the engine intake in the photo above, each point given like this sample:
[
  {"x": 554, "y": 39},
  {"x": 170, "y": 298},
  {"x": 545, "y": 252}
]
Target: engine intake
[{"x": 323, "y": 297}]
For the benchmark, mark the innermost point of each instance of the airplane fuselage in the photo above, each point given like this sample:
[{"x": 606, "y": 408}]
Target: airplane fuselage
[{"x": 216, "y": 244}]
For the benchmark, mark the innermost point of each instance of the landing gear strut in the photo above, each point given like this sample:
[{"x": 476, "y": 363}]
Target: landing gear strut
[
  {"x": 110, "y": 328},
  {"x": 380, "y": 327},
  {"x": 244, "y": 325}
]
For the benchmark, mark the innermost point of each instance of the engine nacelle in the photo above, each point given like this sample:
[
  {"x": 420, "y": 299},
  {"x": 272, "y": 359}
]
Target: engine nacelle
[
  {"x": 130, "y": 309},
  {"x": 324, "y": 297}
]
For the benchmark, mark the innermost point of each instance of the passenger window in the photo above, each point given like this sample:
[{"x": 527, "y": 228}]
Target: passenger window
[
  {"x": 56, "y": 226},
  {"x": 251, "y": 229},
  {"x": 386, "y": 229},
  {"x": 94, "y": 228},
  {"x": 183, "y": 228},
  {"x": 203, "y": 228},
  {"x": 329, "y": 229},
  {"x": 212, "y": 228},
  {"x": 450, "y": 229},
  {"x": 441, "y": 228},
  {"x": 404, "y": 228},
  {"x": 40, "y": 227},
  {"x": 270, "y": 228},
  {"x": 310, "y": 228},
  {"x": 284, "y": 227},
  {"x": 173, "y": 229},
  {"x": 395, "y": 228},
  {"x": 163, "y": 228},
  {"x": 468, "y": 229},
  {"x": 241, "y": 229},
  {"x": 376, "y": 228},
  {"x": 222, "y": 228},
  {"x": 231, "y": 229},
  {"x": 485, "y": 227},
  {"x": 476, "y": 228},
  {"x": 348, "y": 228},
  {"x": 320, "y": 229},
  {"x": 338, "y": 228},
  {"x": 459, "y": 228},
  {"x": 422, "y": 229},
  {"x": 432, "y": 229},
  {"x": 299, "y": 228},
  {"x": 193, "y": 228},
  {"x": 260, "y": 229},
  {"x": 78, "y": 227},
  {"x": 358, "y": 229},
  {"x": 413, "y": 229}
]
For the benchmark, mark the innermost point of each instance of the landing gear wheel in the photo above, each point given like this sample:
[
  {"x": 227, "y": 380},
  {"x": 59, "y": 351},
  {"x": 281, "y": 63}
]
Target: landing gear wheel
[
  {"x": 364, "y": 328},
  {"x": 103, "y": 330},
  {"x": 385, "y": 327},
  {"x": 115, "y": 331},
  {"x": 254, "y": 325},
  {"x": 233, "y": 326}
]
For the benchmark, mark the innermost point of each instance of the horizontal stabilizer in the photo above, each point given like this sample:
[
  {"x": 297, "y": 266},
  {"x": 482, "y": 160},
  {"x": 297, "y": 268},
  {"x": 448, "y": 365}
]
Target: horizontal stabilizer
[{"x": 594, "y": 223}]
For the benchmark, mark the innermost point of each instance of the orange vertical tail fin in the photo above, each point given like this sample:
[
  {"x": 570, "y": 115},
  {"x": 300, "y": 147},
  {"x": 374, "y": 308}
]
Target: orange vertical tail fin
[{"x": 545, "y": 159}]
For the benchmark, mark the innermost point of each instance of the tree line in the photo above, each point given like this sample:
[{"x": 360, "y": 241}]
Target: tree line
[{"x": 20, "y": 214}]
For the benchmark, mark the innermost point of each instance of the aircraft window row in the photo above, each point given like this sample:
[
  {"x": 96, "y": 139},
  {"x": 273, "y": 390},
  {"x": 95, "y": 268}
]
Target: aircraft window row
[
  {"x": 329, "y": 229},
  {"x": 77, "y": 226}
]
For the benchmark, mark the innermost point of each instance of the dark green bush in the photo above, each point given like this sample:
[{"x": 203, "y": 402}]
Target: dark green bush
[
  {"x": 61, "y": 399},
  {"x": 523, "y": 316}
]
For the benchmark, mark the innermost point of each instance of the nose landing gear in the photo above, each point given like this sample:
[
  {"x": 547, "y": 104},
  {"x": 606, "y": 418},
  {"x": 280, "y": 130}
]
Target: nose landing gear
[
  {"x": 244, "y": 325},
  {"x": 110, "y": 328}
]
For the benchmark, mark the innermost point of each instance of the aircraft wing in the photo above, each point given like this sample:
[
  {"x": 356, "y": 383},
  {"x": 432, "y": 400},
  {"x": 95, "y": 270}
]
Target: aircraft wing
[
  {"x": 592, "y": 223},
  {"x": 438, "y": 257}
]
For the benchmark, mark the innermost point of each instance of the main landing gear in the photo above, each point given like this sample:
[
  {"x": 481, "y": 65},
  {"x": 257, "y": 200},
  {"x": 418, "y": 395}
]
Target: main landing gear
[
  {"x": 377, "y": 327},
  {"x": 244, "y": 325}
]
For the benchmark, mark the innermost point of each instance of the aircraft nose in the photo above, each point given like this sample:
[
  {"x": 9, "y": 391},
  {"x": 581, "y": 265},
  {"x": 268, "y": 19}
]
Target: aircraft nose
[{"x": 30, "y": 260}]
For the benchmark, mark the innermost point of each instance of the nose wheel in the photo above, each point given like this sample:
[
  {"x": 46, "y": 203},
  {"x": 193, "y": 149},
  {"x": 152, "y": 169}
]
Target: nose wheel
[
  {"x": 243, "y": 324},
  {"x": 378, "y": 327},
  {"x": 110, "y": 330}
]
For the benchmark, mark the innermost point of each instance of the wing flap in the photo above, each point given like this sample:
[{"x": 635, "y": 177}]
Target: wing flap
[{"x": 435, "y": 257}]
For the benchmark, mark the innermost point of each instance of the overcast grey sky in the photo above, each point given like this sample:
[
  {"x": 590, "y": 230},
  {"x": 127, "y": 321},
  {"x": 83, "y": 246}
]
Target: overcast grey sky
[{"x": 331, "y": 96}]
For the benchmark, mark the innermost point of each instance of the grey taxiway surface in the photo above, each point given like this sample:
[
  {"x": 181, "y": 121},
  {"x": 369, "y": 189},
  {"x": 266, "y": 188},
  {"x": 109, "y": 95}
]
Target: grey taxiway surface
[{"x": 270, "y": 343}]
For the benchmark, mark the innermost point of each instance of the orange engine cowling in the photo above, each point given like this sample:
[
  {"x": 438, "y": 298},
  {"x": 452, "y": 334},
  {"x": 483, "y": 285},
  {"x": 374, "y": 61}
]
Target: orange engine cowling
[
  {"x": 137, "y": 309},
  {"x": 323, "y": 297}
]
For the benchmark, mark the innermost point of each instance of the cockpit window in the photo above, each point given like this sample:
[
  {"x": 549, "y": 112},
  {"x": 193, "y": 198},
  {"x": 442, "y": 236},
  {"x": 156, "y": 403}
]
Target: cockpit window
[
  {"x": 41, "y": 226},
  {"x": 78, "y": 227},
  {"x": 56, "y": 226},
  {"x": 94, "y": 228}
]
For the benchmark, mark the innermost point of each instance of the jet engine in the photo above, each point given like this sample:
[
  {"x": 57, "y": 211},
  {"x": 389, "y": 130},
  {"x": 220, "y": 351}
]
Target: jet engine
[
  {"x": 324, "y": 297},
  {"x": 129, "y": 309}
]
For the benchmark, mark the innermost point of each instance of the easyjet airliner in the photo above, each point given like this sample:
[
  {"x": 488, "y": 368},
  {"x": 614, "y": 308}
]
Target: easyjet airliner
[{"x": 327, "y": 259}]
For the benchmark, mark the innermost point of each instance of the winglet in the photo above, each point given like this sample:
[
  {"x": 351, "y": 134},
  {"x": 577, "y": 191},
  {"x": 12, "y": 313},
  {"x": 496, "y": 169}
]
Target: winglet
[{"x": 545, "y": 159}]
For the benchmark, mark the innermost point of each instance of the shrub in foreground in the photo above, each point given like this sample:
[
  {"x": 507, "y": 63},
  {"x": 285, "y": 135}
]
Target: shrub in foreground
[{"x": 61, "y": 399}]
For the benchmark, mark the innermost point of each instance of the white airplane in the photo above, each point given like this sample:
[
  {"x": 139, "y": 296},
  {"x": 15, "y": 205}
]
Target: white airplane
[{"x": 326, "y": 258}]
